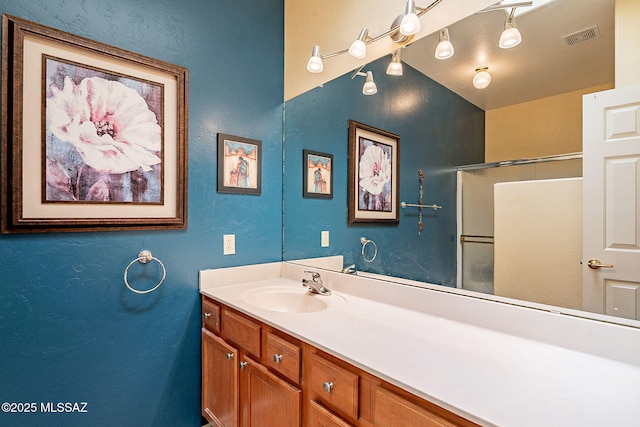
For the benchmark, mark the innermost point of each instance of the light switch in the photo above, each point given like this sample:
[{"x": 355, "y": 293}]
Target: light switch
[{"x": 324, "y": 239}]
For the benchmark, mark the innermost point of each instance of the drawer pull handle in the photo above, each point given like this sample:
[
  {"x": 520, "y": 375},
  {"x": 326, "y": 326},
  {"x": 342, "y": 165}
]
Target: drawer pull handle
[
  {"x": 207, "y": 315},
  {"x": 229, "y": 356},
  {"x": 242, "y": 365},
  {"x": 327, "y": 386},
  {"x": 277, "y": 358}
]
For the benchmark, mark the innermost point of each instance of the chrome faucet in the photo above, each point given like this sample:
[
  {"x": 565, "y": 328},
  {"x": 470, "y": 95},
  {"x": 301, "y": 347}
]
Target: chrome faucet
[
  {"x": 315, "y": 284},
  {"x": 349, "y": 269}
]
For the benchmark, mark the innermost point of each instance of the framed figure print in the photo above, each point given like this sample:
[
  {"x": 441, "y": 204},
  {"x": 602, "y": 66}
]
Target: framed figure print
[
  {"x": 317, "y": 174},
  {"x": 239, "y": 164},
  {"x": 373, "y": 175},
  {"x": 93, "y": 137}
]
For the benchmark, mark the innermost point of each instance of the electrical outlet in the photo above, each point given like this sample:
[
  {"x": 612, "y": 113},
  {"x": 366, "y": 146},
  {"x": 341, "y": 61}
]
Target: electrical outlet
[
  {"x": 324, "y": 239},
  {"x": 229, "y": 244}
]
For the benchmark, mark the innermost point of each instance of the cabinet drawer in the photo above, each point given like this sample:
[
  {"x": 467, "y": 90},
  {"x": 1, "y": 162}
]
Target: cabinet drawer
[
  {"x": 335, "y": 385},
  {"x": 241, "y": 331},
  {"x": 283, "y": 356},
  {"x": 211, "y": 315}
]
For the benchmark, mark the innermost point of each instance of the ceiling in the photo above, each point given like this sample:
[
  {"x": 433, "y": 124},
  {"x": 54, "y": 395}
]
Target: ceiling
[{"x": 542, "y": 65}]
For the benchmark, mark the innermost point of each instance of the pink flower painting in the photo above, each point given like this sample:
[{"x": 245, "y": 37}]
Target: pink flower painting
[
  {"x": 375, "y": 172},
  {"x": 103, "y": 136}
]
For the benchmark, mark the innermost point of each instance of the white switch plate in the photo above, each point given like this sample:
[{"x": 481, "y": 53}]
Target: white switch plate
[
  {"x": 228, "y": 244},
  {"x": 324, "y": 239}
]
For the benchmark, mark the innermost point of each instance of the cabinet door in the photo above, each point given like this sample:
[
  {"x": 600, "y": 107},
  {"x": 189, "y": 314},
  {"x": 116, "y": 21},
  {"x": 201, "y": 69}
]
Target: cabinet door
[
  {"x": 392, "y": 410},
  {"x": 322, "y": 417},
  {"x": 219, "y": 381},
  {"x": 267, "y": 400}
]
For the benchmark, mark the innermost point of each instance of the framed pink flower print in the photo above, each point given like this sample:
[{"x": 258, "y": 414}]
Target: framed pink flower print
[
  {"x": 373, "y": 175},
  {"x": 94, "y": 137}
]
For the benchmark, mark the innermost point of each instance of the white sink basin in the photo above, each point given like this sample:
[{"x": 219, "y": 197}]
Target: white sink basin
[{"x": 289, "y": 299}]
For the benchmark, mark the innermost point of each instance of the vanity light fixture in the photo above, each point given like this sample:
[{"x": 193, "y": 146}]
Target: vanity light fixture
[
  {"x": 369, "y": 87},
  {"x": 358, "y": 48},
  {"x": 444, "y": 49},
  {"x": 511, "y": 36},
  {"x": 410, "y": 23},
  {"x": 402, "y": 28},
  {"x": 482, "y": 78},
  {"x": 395, "y": 66},
  {"x": 315, "y": 65}
]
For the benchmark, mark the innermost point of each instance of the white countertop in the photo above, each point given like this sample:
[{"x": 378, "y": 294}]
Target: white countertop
[{"x": 492, "y": 376}]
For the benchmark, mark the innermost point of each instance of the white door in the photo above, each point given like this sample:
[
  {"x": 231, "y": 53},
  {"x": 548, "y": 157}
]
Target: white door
[{"x": 611, "y": 210}]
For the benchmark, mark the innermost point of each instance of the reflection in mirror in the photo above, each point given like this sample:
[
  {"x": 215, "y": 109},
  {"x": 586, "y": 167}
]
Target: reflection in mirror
[{"x": 442, "y": 128}]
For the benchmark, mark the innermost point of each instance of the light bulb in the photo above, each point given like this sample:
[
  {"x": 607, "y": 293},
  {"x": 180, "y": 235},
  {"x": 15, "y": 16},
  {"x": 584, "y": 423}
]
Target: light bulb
[
  {"x": 315, "y": 65},
  {"x": 444, "y": 49},
  {"x": 482, "y": 78},
  {"x": 395, "y": 66},
  {"x": 510, "y": 37},
  {"x": 369, "y": 87},
  {"x": 358, "y": 49},
  {"x": 410, "y": 24}
]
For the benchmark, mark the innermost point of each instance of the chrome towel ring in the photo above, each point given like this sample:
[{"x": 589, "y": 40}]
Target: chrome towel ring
[
  {"x": 144, "y": 257},
  {"x": 364, "y": 242}
]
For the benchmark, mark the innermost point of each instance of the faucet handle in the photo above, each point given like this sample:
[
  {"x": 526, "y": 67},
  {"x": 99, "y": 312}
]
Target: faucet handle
[{"x": 314, "y": 274}]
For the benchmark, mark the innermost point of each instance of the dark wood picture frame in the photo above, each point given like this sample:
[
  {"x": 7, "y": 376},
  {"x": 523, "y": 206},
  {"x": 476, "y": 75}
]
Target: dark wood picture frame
[
  {"x": 373, "y": 178},
  {"x": 317, "y": 174},
  {"x": 39, "y": 190},
  {"x": 239, "y": 165}
]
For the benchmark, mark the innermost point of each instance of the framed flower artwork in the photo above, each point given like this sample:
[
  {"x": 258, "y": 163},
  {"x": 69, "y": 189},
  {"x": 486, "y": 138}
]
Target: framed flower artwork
[
  {"x": 239, "y": 165},
  {"x": 373, "y": 175},
  {"x": 93, "y": 136},
  {"x": 317, "y": 175}
]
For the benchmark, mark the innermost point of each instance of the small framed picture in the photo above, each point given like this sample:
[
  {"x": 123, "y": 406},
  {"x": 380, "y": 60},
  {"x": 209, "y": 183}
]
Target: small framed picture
[
  {"x": 239, "y": 165},
  {"x": 373, "y": 175},
  {"x": 317, "y": 174}
]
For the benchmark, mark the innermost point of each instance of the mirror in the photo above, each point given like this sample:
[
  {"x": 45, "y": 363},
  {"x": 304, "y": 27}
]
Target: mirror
[{"x": 441, "y": 121}]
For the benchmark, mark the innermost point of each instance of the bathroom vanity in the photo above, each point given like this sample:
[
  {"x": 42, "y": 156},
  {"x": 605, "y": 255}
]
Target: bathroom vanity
[{"x": 374, "y": 353}]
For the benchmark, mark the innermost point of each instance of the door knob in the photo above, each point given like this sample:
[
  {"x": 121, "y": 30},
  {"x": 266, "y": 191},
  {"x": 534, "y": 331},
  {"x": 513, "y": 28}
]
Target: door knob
[{"x": 596, "y": 264}]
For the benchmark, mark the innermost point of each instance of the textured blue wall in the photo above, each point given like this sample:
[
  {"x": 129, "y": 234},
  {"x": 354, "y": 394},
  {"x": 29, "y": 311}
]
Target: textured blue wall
[
  {"x": 438, "y": 131},
  {"x": 69, "y": 329}
]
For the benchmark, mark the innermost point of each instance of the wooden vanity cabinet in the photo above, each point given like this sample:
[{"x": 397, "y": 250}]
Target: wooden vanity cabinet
[
  {"x": 237, "y": 389},
  {"x": 254, "y": 375},
  {"x": 219, "y": 380}
]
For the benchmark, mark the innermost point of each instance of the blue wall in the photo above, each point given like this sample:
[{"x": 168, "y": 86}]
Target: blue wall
[
  {"x": 438, "y": 131},
  {"x": 69, "y": 329}
]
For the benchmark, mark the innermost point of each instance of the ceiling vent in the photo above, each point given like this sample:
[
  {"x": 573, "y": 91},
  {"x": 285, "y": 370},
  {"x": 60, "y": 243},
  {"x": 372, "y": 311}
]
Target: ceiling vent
[{"x": 582, "y": 35}]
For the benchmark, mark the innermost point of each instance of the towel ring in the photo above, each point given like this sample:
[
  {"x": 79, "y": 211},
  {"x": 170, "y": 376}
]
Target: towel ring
[
  {"x": 364, "y": 241},
  {"x": 145, "y": 257}
]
